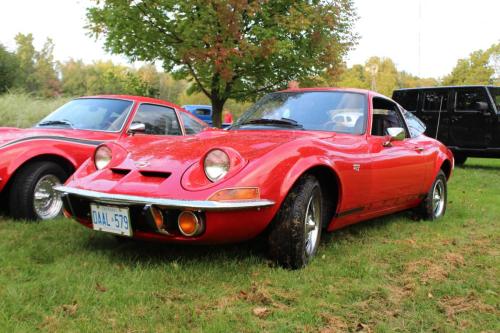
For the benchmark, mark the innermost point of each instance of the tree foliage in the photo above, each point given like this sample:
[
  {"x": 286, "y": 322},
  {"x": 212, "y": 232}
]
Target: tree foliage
[
  {"x": 230, "y": 48},
  {"x": 481, "y": 67},
  {"x": 9, "y": 68},
  {"x": 381, "y": 75}
]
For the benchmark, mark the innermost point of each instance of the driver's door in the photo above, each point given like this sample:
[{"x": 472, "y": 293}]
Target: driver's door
[{"x": 397, "y": 166}]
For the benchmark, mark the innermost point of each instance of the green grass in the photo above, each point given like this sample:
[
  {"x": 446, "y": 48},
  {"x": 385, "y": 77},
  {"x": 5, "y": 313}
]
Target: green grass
[
  {"x": 23, "y": 110},
  {"x": 392, "y": 274}
]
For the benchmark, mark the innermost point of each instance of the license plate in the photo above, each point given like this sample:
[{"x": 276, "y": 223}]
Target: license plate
[{"x": 115, "y": 220}]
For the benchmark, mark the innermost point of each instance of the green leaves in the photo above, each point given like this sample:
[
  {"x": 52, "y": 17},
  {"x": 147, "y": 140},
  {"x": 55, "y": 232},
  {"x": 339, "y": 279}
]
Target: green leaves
[{"x": 233, "y": 48}]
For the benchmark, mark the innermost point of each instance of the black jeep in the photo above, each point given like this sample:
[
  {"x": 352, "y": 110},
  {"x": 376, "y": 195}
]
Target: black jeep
[{"x": 465, "y": 118}]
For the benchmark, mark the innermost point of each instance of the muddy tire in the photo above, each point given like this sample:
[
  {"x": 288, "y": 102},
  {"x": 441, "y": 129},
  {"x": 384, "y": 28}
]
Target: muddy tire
[
  {"x": 296, "y": 230},
  {"x": 31, "y": 196},
  {"x": 433, "y": 206}
]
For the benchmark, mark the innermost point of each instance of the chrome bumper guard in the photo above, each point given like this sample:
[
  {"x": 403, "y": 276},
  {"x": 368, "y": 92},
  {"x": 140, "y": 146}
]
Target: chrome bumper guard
[{"x": 125, "y": 200}]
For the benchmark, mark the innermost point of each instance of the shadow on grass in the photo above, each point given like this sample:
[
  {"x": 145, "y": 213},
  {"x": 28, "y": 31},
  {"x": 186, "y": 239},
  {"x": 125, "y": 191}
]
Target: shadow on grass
[
  {"x": 135, "y": 252},
  {"x": 474, "y": 166}
]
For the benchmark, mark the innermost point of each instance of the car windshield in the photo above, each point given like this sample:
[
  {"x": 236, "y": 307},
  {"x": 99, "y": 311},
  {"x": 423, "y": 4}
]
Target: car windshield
[
  {"x": 495, "y": 93},
  {"x": 96, "y": 114},
  {"x": 335, "y": 111}
]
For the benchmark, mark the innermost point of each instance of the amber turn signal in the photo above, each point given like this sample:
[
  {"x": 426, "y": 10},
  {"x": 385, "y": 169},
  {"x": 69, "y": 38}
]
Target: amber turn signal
[
  {"x": 189, "y": 224},
  {"x": 66, "y": 213},
  {"x": 236, "y": 194},
  {"x": 158, "y": 217}
]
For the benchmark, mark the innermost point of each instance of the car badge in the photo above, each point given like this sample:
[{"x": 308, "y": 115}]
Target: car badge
[
  {"x": 141, "y": 164},
  {"x": 356, "y": 167}
]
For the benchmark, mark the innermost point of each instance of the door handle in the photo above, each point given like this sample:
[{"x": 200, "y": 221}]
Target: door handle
[{"x": 419, "y": 149}]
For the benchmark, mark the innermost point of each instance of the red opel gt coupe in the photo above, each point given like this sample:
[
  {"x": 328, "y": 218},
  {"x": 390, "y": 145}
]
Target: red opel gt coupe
[
  {"x": 33, "y": 161},
  {"x": 296, "y": 163}
]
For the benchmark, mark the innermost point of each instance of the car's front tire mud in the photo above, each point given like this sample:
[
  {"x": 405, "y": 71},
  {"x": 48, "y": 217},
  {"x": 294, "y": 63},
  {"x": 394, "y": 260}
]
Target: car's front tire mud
[{"x": 296, "y": 230}]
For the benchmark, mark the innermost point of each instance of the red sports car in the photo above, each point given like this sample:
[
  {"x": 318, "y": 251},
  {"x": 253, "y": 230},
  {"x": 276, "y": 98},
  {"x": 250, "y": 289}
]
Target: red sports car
[
  {"x": 296, "y": 163},
  {"x": 34, "y": 160}
]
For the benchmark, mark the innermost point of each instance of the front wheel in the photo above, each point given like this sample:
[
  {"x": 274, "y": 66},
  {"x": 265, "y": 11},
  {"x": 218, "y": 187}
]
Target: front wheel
[
  {"x": 433, "y": 206},
  {"x": 296, "y": 231},
  {"x": 32, "y": 195}
]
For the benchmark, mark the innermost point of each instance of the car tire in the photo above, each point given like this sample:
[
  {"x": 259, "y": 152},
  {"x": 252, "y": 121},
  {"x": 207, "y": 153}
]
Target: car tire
[
  {"x": 460, "y": 159},
  {"x": 31, "y": 196},
  {"x": 296, "y": 230},
  {"x": 433, "y": 206}
]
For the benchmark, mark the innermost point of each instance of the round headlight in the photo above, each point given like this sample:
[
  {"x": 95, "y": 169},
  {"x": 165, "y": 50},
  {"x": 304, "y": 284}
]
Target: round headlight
[
  {"x": 216, "y": 165},
  {"x": 102, "y": 157}
]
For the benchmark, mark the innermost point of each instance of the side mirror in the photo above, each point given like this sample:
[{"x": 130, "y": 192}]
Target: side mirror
[
  {"x": 481, "y": 107},
  {"x": 136, "y": 128},
  {"x": 394, "y": 134}
]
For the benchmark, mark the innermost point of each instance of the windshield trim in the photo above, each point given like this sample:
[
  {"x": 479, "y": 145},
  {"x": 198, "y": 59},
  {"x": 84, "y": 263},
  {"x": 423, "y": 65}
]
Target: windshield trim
[
  {"x": 366, "y": 107},
  {"x": 127, "y": 118}
]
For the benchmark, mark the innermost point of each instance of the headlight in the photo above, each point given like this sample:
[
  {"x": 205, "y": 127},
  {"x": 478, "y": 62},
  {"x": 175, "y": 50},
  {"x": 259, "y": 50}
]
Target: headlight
[
  {"x": 216, "y": 165},
  {"x": 102, "y": 157}
]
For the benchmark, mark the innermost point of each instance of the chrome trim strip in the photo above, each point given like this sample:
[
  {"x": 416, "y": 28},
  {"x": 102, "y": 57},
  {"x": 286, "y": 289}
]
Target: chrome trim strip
[{"x": 124, "y": 200}]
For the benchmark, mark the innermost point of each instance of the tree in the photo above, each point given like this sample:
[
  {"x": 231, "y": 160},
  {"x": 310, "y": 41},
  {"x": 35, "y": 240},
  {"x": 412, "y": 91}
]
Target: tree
[
  {"x": 9, "y": 68},
  {"x": 229, "y": 48},
  {"x": 25, "y": 54},
  {"x": 482, "y": 67}
]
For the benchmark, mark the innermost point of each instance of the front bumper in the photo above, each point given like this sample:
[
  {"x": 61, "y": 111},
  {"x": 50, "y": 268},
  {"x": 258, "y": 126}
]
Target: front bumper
[{"x": 126, "y": 200}]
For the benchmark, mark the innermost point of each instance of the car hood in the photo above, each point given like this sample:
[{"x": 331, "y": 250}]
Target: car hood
[{"x": 181, "y": 152}]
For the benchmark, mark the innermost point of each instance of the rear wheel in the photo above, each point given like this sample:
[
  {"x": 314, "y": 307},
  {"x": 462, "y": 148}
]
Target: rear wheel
[
  {"x": 434, "y": 205},
  {"x": 295, "y": 235},
  {"x": 32, "y": 195}
]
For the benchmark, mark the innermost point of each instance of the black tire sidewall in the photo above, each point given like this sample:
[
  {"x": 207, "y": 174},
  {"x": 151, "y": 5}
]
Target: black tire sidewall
[
  {"x": 21, "y": 196},
  {"x": 427, "y": 208},
  {"x": 287, "y": 243}
]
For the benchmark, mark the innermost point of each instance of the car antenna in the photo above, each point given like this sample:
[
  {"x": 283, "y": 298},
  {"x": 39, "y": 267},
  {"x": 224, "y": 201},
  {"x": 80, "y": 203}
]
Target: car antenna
[{"x": 439, "y": 117}]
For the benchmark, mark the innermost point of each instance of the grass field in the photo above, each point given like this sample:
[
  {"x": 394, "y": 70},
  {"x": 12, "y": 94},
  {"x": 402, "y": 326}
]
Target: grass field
[
  {"x": 387, "y": 275},
  {"x": 22, "y": 110}
]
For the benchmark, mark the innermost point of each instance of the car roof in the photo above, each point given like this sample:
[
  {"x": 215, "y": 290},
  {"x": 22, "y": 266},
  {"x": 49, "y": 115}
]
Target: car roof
[
  {"x": 139, "y": 99},
  {"x": 448, "y": 87},
  {"x": 338, "y": 89}
]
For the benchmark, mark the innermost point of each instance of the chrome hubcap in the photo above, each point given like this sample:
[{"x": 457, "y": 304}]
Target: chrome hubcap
[
  {"x": 438, "y": 198},
  {"x": 47, "y": 202},
  {"x": 312, "y": 224}
]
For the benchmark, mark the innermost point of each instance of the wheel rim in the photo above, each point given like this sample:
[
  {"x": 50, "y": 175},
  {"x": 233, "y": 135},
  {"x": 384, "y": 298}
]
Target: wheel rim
[
  {"x": 312, "y": 224},
  {"x": 438, "y": 198},
  {"x": 46, "y": 201}
]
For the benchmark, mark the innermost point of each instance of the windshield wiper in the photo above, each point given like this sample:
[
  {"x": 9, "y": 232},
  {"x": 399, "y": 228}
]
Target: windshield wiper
[
  {"x": 268, "y": 121},
  {"x": 55, "y": 122}
]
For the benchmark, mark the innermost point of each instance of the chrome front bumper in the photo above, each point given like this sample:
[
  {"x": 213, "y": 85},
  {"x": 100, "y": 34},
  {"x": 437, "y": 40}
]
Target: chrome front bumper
[{"x": 126, "y": 200}]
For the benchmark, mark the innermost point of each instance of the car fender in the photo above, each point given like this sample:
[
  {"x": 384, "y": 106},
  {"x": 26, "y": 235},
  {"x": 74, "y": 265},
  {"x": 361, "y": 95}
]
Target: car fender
[{"x": 16, "y": 156}]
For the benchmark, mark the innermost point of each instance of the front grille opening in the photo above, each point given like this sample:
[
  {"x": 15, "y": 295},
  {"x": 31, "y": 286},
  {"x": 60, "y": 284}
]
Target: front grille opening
[{"x": 155, "y": 174}]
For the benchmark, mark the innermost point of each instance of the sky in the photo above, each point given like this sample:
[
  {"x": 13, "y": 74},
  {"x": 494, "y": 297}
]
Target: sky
[{"x": 423, "y": 37}]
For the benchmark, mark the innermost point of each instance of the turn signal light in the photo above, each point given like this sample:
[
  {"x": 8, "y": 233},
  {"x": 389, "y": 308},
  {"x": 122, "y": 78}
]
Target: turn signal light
[
  {"x": 236, "y": 194},
  {"x": 157, "y": 217},
  {"x": 66, "y": 213},
  {"x": 189, "y": 224}
]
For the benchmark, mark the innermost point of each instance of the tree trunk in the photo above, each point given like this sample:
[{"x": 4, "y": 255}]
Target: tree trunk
[{"x": 217, "y": 107}]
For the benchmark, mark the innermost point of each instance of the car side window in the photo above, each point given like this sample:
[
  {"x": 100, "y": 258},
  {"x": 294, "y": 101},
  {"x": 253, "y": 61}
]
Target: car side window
[
  {"x": 466, "y": 98},
  {"x": 191, "y": 126},
  {"x": 415, "y": 125},
  {"x": 159, "y": 120},
  {"x": 435, "y": 100},
  {"x": 386, "y": 114},
  {"x": 202, "y": 112}
]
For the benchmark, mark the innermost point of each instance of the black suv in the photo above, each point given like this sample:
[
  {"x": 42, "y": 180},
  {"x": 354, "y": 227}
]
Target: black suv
[{"x": 465, "y": 118}]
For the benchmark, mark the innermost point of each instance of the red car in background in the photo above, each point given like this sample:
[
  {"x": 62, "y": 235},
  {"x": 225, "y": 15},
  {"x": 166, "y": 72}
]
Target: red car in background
[
  {"x": 296, "y": 163},
  {"x": 34, "y": 160}
]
